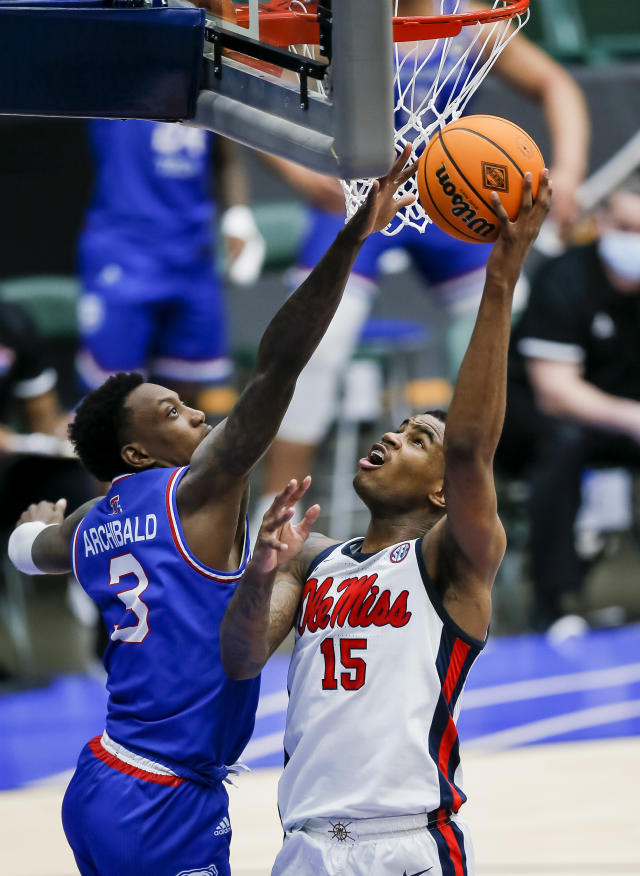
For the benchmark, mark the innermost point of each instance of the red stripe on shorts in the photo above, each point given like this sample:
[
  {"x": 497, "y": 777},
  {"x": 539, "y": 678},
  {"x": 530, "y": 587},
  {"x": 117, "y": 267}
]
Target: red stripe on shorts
[
  {"x": 116, "y": 764},
  {"x": 454, "y": 849}
]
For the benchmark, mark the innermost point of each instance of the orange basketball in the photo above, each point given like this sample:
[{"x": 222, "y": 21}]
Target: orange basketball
[{"x": 467, "y": 160}]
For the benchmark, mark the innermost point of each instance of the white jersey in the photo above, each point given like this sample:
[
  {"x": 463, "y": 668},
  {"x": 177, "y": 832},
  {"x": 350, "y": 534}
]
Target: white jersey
[{"x": 375, "y": 680}]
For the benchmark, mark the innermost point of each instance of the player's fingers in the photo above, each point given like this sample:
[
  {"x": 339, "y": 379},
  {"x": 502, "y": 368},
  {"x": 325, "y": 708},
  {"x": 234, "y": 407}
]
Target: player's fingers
[
  {"x": 61, "y": 505},
  {"x": 407, "y": 173},
  {"x": 271, "y": 542},
  {"x": 284, "y": 496},
  {"x": 310, "y": 517},
  {"x": 277, "y": 519},
  {"x": 404, "y": 201},
  {"x": 526, "y": 202},
  {"x": 499, "y": 209},
  {"x": 395, "y": 174},
  {"x": 400, "y": 161},
  {"x": 305, "y": 483}
]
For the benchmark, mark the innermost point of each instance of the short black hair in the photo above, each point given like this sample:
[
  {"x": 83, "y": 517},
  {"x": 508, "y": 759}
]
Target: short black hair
[
  {"x": 99, "y": 429},
  {"x": 438, "y": 413}
]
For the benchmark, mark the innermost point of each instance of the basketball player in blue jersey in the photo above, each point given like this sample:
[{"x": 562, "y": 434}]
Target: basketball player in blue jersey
[
  {"x": 161, "y": 554},
  {"x": 151, "y": 294},
  {"x": 387, "y": 626},
  {"x": 452, "y": 270}
]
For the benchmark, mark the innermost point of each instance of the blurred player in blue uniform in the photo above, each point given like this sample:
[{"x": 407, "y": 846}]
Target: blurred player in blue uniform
[
  {"x": 453, "y": 271},
  {"x": 151, "y": 293},
  {"x": 161, "y": 554}
]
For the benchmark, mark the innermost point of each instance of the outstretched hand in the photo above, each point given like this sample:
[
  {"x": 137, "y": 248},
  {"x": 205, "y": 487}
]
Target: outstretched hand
[
  {"x": 381, "y": 205},
  {"x": 515, "y": 238},
  {"x": 279, "y": 540}
]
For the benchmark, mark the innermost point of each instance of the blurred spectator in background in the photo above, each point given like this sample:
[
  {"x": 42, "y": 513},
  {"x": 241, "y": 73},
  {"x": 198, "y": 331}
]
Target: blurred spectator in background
[
  {"x": 151, "y": 296},
  {"x": 35, "y": 456},
  {"x": 453, "y": 271},
  {"x": 574, "y": 389}
]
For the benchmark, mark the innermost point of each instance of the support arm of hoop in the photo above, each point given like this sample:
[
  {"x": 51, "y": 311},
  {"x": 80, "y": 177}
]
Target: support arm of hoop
[{"x": 261, "y": 130}]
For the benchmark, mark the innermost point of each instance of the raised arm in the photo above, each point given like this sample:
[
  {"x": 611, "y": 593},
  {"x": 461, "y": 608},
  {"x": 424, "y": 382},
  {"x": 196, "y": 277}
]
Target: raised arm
[
  {"x": 463, "y": 551},
  {"x": 264, "y": 605},
  {"x": 230, "y": 452}
]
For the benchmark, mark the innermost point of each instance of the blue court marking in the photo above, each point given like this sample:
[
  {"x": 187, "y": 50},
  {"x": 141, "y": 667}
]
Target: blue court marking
[
  {"x": 43, "y": 729},
  {"x": 521, "y": 691}
]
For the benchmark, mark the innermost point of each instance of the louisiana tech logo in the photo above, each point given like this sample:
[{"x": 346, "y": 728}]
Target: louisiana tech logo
[
  {"x": 116, "y": 507},
  {"x": 211, "y": 870},
  {"x": 398, "y": 554}
]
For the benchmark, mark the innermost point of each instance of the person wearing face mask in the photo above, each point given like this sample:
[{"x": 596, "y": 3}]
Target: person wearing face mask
[{"x": 574, "y": 389}]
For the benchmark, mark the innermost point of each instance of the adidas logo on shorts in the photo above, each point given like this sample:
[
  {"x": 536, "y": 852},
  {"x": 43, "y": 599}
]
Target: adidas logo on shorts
[{"x": 223, "y": 827}]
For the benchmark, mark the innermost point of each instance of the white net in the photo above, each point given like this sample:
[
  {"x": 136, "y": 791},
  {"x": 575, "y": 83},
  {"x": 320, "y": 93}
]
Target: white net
[{"x": 434, "y": 81}]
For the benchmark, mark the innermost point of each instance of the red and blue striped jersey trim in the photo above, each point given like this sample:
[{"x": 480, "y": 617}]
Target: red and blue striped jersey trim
[
  {"x": 183, "y": 548},
  {"x": 456, "y": 652},
  {"x": 453, "y": 662}
]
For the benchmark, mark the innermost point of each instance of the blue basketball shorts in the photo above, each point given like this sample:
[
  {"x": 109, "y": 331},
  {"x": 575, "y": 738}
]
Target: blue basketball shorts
[
  {"x": 120, "y": 824},
  {"x": 141, "y": 310},
  {"x": 437, "y": 256}
]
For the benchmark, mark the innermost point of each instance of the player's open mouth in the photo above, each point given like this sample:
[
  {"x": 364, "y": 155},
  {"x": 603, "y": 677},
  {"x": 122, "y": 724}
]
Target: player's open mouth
[{"x": 376, "y": 457}]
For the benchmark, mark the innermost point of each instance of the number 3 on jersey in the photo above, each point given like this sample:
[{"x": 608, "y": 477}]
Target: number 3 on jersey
[
  {"x": 120, "y": 567},
  {"x": 347, "y": 660}
]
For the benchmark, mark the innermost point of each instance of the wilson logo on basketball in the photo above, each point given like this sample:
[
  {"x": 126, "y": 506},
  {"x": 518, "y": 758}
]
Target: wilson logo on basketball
[
  {"x": 495, "y": 176},
  {"x": 360, "y": 604},
  {"x": 461, "y": 208}
]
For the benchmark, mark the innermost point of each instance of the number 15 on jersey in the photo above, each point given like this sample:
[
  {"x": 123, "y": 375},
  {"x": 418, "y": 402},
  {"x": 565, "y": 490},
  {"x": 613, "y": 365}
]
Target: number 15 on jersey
[{"x": 355, "y": 676}]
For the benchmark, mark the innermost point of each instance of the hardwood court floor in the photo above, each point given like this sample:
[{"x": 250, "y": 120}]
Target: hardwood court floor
[{"x": 545, "y": 810}]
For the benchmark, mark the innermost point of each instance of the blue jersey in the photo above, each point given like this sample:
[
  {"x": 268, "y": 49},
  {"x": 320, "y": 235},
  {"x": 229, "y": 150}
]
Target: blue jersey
[
  {"x": 169, "y": 698},
  {"x": 152, "y": 181}
]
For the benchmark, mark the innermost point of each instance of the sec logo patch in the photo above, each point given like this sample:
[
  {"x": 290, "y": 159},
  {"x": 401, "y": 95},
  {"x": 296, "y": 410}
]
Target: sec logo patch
[{"x": 398, "y": 554}]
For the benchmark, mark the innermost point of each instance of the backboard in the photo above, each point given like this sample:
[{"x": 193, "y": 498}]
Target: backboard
[{"x": 327, "y": 104}]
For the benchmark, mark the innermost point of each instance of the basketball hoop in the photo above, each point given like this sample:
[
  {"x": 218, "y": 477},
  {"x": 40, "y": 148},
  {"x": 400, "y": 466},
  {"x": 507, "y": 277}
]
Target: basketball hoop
[
  {"x": 439, "y": 62},
  {"x": 296, "y": 22}
]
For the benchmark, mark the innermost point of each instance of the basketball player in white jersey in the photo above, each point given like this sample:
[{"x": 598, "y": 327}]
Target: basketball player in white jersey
[{"x": 387, "y": 626}]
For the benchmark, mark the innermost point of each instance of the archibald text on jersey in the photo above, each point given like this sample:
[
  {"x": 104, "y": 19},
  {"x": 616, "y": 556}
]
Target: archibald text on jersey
[{"x": 117, "y": 533}]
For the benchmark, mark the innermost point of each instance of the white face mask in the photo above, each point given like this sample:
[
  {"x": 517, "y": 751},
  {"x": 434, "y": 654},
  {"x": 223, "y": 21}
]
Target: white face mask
[{"x": 620, "y": 251}]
